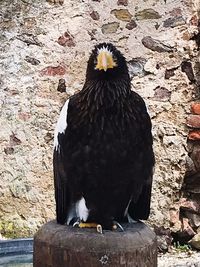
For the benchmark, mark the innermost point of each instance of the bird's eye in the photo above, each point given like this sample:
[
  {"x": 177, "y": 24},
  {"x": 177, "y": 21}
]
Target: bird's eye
[
  {"x": 115, "y": 59},
  {"x": 95, "y": 61}
]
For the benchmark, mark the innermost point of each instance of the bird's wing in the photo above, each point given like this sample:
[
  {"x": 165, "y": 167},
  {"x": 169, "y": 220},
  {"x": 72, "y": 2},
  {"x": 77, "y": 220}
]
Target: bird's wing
[
  {"x": 139, "y": 208},
  {"x": 62, "y": 193}
]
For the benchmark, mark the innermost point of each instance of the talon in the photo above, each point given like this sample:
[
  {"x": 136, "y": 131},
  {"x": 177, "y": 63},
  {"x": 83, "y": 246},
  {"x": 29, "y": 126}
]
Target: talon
[
  {"x": 114, "y": 227},
  {"x": 117, "y": 225},
  {"x": 99, "y": 229},
  {"x": 76, "y": 224}
]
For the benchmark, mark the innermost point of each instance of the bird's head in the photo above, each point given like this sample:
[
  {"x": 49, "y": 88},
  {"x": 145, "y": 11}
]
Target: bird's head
[{"x": 106, "y": 62}]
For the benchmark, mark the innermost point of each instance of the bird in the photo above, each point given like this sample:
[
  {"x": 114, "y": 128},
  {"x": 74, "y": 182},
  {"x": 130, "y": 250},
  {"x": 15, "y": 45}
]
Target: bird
[{"x": 103, "y": 156}]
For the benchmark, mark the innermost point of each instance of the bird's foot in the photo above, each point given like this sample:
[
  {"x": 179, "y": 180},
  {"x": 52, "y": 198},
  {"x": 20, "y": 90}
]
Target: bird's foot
[
  {"x": 98, "y": 227},
  {"x": 117, "y": 225},
  {"x": 89, "y": 225}
]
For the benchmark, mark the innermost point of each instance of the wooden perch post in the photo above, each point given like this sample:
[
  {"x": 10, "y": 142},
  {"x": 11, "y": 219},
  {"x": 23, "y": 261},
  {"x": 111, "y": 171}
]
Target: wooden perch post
[{"x": 64, "y": 246}]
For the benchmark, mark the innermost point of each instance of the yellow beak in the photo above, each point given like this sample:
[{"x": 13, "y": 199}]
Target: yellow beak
[{"x": 105, "y": 61}]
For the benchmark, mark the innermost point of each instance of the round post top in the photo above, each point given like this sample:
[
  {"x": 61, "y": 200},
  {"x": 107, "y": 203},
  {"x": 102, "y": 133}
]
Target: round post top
[{"x": 63, "y": 245}]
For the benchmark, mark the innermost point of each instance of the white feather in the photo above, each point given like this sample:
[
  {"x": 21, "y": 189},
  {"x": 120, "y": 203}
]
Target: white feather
[
  {"x": 81, "y": 209},
  {"x": 71, "y": 214},
  {"x": 126, "y": 210},
  {"x": 61, "y": 124},
  {"x": 104, "y": 49}
]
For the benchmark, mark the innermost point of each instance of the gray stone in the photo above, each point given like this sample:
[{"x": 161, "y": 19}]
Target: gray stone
[
  {"x": 195, "y": 156},
  {"x": 170, "y": 72},
  {"x": 110, "y": 27},
  {"x": 55, "y": 2},
  {"x": 174, "y": 22},
  {"x": 190, "y": 166},
  {"x": 122, "y": 2},
  {"x": 18, "y": 189},
  {"x": 156, "y": 45},
  {"x": 136, "y": 67},
  {"x": 122, "y": 14},
  {"x": 194, "y": 218},
  {"x": 32, "y": 60},
  {"x": 192, "y": 183},
  {"x": 14, "y": 140},
  {"x": 195, "y": 241},
  {"x": 29, "y": 39},
  {"x": 161, "y": 94},
  {"x": 148, "y": 13},
  {"x": 9, "y": 150},
  {"x": 186, "y": 66},
  {"x": 61, "y": 86},
  {"x": 131, "y": 25}
]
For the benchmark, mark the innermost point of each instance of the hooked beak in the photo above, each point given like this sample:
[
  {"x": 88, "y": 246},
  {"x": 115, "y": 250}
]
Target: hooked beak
[{"x": 105, "y": 61}]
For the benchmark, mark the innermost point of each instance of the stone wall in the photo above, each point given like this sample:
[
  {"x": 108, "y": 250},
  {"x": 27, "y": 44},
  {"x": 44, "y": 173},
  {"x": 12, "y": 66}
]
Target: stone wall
[{"x": 44, "y": 47}]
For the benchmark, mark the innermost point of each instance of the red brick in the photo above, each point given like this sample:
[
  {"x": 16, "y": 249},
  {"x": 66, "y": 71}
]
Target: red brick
[
  {"x": 194, "y": 20},
  {"x": 193, "y": 121},
  {"x": 94, "y": 15},
  {"x": 196, "y": 108},
  {"x": 190, "y": 205},
  {"x": 62, "y": 40},
  {"x": 53, "y": 71},
  {"x": 66, "y": 40},
  {"x": 194, "y": 135},
  {"x": 187, "y": 228}
]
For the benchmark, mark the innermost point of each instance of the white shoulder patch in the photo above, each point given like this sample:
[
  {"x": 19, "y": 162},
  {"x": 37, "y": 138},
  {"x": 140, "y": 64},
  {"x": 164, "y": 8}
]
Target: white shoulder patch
[{"x": 61, "y": 124}]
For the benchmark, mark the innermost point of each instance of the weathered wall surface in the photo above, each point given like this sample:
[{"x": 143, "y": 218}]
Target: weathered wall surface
[{"x": 44, "y": 41}]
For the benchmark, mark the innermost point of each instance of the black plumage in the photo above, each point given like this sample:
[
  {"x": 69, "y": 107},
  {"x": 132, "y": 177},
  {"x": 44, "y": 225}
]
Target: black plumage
[{"x": 103, "y": 151}]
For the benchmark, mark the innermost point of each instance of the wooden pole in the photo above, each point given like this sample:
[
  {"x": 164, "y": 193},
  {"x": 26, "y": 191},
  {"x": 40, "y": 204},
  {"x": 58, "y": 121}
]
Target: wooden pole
[{"x": 64, "y": 246}]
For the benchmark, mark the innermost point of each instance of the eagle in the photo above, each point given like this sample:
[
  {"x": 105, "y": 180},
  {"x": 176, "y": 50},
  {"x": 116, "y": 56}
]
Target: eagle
[{"x": 103, "y": 157}]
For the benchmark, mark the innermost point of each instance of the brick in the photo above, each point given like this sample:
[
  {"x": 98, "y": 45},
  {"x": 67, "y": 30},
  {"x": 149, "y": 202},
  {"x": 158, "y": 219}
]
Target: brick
[
  {"x": 194, "y": 135},
  {"x": 94, "y": 15},
  {"x": 187, "y": 229},
  {"x": 194, "y": 20},
  {"x": 66, "y": 40},
  {"x": 62, "y": 40},
  {"x": 53, "y": 71},
  {"x": 195, "y": 107},
  {"x": 131, "y": 25},
  {"x": 193, "y": 121}
]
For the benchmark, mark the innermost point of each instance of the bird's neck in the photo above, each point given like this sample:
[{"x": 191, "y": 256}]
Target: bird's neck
[{"x": 106, "y": 92}]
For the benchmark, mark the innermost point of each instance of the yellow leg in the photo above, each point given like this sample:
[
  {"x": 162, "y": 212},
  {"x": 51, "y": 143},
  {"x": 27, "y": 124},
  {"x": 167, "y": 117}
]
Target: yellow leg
[
  {"x": 91, "y": 225},
  {"x": 88, "y": 225},
  {"x": 98, "y": 227}
]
